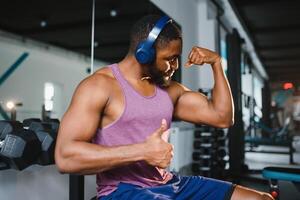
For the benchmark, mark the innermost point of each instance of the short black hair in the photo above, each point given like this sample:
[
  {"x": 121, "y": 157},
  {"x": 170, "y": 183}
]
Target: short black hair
[{"x": 142, "y": 28}]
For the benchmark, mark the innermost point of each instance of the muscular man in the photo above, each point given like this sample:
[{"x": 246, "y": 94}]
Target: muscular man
[{"x": 117, "y": 123}]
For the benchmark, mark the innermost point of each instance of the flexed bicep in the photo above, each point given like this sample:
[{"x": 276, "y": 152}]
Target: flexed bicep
[{"x": 196, "y": 108}]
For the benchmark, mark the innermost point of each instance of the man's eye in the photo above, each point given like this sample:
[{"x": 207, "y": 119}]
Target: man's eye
[{"x": 173, "y": 59}]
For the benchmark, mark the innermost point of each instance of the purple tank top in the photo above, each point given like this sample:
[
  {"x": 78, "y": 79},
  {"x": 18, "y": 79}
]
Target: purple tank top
[{"x": 142, "y": 115}]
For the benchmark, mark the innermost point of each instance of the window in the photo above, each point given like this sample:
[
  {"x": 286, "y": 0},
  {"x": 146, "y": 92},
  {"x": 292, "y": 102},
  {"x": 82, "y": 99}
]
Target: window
[{"x": 48, "y": 96}]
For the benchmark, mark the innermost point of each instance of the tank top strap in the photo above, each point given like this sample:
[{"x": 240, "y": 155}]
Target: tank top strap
[
  {"x": 117, "y": 74},
  {"x": 129, "y": 90}
]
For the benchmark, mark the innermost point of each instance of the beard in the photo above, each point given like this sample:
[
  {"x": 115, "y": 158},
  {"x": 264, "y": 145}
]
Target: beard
[{"x": 156, "y": 76}]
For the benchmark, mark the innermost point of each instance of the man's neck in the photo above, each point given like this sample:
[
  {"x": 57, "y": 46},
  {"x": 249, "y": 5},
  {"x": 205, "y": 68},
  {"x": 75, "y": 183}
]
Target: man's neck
[{"x": 131, "y": 69}]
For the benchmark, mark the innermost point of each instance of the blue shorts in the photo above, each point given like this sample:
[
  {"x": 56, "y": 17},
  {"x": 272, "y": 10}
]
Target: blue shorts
[{"x": 179, "y": 188}]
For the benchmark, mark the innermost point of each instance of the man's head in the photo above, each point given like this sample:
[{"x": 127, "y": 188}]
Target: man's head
[{"x": 167, "y": 47}]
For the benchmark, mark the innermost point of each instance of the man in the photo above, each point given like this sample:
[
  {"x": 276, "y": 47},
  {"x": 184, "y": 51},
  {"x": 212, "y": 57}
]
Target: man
[{"x": 117, "y": 123}]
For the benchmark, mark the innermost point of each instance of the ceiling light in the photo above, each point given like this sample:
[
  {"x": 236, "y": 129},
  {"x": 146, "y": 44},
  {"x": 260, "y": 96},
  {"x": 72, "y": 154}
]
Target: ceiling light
[
  {"x": 10, "y": 105},
  {"x": 288, "y": 85},
  {"x": 43, "y": 23},
  {"x": 113, "y": 13}
]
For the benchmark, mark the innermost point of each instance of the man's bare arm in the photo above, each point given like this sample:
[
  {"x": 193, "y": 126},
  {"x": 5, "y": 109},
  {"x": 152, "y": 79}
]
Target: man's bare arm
[
  {"x": 195, "y": 107},
  {"x": 74, "y": 151}
]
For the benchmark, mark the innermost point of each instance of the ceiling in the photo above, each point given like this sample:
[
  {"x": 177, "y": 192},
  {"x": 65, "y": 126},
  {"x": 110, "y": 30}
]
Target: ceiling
[
  {"x": 274, "y": 26},
  {"x": 67, "y": 23}
]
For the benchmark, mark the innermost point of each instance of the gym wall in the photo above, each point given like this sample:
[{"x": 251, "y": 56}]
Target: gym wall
[{"x": 44, "y": 64}]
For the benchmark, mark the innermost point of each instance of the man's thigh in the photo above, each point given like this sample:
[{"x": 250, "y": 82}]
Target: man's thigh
[
  {"x": 197, "y": 187},
  {"x": 127, "y": 191}
]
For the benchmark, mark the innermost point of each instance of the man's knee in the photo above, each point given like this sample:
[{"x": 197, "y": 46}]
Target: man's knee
[
  {"x": 266, "y": 196},
  {"x": 249, "y": 194},
  {"x": 262, "y": 196}
]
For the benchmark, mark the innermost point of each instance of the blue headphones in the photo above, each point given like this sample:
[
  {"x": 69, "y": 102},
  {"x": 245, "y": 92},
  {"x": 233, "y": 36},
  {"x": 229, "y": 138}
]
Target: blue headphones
[{"x": 145, "y": 52}]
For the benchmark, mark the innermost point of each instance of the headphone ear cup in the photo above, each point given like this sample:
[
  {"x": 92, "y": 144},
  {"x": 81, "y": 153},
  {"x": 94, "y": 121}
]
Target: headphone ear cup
[{"x": 144, "y": 55}]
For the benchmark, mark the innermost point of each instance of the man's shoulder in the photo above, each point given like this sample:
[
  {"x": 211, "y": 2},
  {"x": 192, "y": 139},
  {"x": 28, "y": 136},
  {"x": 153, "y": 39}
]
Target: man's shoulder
[
  {"x": 99, "y": 82},
  {"x": 175, "y": 90},
  {"x": 174, "y": 85},
  {"x": 101, "y": 77},
  {"x": 104, "y": 72}
]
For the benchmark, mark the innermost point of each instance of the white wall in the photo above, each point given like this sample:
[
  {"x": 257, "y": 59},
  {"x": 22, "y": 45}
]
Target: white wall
[
  {"x": 44, "y": 64},
  {"x": 185, "y": 14},
  {"x": 206, "y": 38}
]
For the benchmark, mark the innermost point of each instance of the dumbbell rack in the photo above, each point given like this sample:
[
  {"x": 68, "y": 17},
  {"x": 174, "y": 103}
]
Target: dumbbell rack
[
  {"x": 210, "y": 150},
  {"x": 46, "y": 151}
]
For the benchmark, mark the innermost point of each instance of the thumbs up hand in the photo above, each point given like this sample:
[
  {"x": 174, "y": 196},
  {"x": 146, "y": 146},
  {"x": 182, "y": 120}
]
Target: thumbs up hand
[{"x": 158, "y": 152}]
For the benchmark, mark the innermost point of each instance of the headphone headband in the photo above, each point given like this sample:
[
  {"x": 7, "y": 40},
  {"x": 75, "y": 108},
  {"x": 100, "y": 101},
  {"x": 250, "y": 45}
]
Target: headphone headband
[
  {"x": 145, "y": 52},
  {"x": 158, "y": 27}
]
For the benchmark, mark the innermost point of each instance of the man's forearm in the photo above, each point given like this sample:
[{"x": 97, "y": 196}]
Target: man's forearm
[
  {"x": 221, "y": 96},
  {"x": 86, "y": 158}
]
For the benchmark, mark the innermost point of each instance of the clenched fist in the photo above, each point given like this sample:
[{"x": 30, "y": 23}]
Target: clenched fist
[{"x": 200, "y": 56}]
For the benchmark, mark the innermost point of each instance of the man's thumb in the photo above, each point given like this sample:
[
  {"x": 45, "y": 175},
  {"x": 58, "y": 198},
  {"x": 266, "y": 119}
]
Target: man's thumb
[{"x": 163, "y": 126}]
